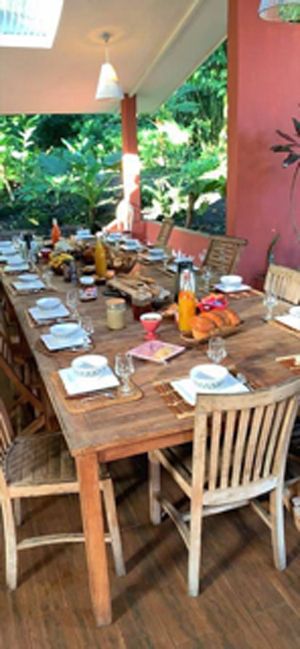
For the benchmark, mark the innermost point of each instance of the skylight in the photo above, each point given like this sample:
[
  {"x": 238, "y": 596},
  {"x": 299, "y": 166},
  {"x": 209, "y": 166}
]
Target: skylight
[{"x": 29, "y": 23}]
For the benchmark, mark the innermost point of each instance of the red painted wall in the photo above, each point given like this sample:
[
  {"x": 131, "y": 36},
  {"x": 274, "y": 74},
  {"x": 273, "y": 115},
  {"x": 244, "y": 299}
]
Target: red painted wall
[
  {"x": 188, "y": 241},
  {"x": 264, "y": 93}
]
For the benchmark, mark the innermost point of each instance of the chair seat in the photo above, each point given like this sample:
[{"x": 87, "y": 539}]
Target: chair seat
[{"x": 39, "y": 459}]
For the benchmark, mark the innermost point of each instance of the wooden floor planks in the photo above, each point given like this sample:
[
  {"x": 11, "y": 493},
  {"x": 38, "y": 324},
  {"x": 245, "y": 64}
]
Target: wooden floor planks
[{"x": 244, "y": 604}]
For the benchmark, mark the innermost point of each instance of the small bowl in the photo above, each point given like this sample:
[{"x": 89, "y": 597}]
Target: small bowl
[
  {"x": 231, "y": 280},
  {"x": 65, "y": 330},
  {"x": 28, "y": 277},
  {"x": 208, "y": 376},
  {"x": 295, "y": 311},
  {"x": 48, "y": 303},
  {"x": 89, "y": 365},
  {"x": 87, "y": 280}
]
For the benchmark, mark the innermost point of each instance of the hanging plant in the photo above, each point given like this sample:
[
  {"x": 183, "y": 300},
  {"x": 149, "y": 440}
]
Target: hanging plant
[{"x": 292, "y": 149}]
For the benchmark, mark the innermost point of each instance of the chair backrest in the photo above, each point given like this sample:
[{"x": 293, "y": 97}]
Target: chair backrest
[
  {"x": 223, "y": 253},
  {"x": 6, "y": 440},
  {"x": 241, "y": 441},
  {"x": 284, "y": 282},
  {"x": 164, "y": 233}
]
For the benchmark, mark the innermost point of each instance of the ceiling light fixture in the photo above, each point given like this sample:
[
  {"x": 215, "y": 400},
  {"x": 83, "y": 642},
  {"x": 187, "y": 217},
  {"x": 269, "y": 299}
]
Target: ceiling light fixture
[
  {"x": 280, "y": 10},
  {"x": 29, "y": 23},
  {"x": 108, "y": 86}
]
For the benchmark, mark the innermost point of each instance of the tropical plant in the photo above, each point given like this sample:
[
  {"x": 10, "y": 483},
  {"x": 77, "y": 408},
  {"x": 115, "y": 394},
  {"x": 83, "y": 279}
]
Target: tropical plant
[{"x": 291, "y": 147}]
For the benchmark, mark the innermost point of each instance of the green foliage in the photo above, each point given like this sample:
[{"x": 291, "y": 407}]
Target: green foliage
[{"x": 69, "y": 166}]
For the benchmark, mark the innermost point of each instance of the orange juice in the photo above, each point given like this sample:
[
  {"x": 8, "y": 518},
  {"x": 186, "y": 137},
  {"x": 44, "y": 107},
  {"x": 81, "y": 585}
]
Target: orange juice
[
  {"x": 100, "y": 258},
  {"x": 187, "y": 309}
]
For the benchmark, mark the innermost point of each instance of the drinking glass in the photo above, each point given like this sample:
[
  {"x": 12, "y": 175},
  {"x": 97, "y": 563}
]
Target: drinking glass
[
  {"x": 124, "y": 367},
  {"x": 87, "y": 325},
  {"x": 72, "y": 300},
  {"x": 47, "y": 276},
  {"x": 207, "y": 275},
  {"x": 216, "y": 349},
  {"x": 270, "y": 301}
]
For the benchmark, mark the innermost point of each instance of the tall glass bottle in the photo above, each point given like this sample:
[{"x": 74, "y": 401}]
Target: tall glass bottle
[
  {"x": 55, "y": 232},
  {"x": 186, "y": 300},
  {"x": 100, "y": 257}
]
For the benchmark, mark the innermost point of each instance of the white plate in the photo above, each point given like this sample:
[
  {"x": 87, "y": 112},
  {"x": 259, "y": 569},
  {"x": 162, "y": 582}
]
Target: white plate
[
  {"x": 15, "y": 260},
  {"x": 208, "y": 375},
  {"x": 6, "y": 244},
  {"x": 35, "y": 285},
  {"x": 39, "y": 315},
  {"x": 48, "y": 303},
  {"x": 14, "y": 269},
  {"x": 89, "y": 365},
  {"x": 188, "y": 390},
  {"x": 232, "y": 289},
  {"x": 290, "y": 321},
  {"x": 28, "y": 277},
  {"x": 65, "y": 330},
  {"x": 53, "y": 343},
  {"x": 295, "y": 311},
  {"x": 75, "y": 384}
]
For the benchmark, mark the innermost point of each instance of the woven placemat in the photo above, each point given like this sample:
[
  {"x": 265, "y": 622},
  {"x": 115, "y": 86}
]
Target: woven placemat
[
  {"x": 174, "y": 401},
  {"x": 94, "y": 401}
]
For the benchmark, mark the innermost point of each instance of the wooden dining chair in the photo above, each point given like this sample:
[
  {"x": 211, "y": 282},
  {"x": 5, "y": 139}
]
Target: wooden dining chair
[
  {"x": 11, "y": 366},
  {"x": 223, "y": 254},
  {"x": 284, "y": 282},
  {"x": 239, "y": 452},
  {"x": 41, "y": 465},
  {"x": 164, "y": 233}
]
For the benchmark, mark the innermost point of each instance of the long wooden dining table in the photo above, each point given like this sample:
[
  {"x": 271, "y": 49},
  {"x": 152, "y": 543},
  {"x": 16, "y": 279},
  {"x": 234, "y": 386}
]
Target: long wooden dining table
[{"x": 128, "y": 429}]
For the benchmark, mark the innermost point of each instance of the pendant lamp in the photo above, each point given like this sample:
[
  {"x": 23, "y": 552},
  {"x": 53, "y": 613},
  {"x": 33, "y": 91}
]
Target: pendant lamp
[
  {"x": 108, "y": 87},
  {"x": 280, "y": 10}
]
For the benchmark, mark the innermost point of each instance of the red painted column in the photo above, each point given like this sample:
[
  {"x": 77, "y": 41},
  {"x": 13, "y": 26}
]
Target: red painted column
[
  {"x": 130, "y": 159},
  {"x": 263, "y": 94}
]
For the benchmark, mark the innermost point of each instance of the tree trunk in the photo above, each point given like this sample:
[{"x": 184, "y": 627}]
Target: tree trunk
[{"x": 190, "y": 210}]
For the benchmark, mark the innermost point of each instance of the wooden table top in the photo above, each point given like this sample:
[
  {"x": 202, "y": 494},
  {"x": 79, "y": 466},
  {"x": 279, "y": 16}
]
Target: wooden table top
[{"x": 130, "y": 428}]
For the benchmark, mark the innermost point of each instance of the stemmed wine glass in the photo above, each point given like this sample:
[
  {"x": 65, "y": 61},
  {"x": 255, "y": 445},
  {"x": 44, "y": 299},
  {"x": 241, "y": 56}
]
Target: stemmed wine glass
[
  {"x": 270, "y": 301},
  {"x": 124, "y": 368},
  {"x": 207, "y": 275},
  {"x": 87, "y": 325},
  {"x": 216, "y": 349}
]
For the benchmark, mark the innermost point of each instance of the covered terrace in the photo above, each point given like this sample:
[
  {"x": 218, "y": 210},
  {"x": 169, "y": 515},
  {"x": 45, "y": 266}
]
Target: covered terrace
[{"x": 65, "y": 597}]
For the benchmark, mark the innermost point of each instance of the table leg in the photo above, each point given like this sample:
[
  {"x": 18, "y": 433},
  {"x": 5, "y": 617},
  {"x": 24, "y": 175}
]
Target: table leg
[{"x": 93, "y": 527}]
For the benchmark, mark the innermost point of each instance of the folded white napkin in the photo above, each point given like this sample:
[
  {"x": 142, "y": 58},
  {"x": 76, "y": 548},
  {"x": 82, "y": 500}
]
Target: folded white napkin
[
  {"x": 188, "y": 389},
  {"x": 290, "y": 321},
  {"x": 232, "y": 289},
  {"x": 75, "y": 384},
  {"x": 150, "y": 257},
  {"x": 35, "y": 285},
  {"x": 48, "y": 314},
  {"x": 55, "y": 343}
]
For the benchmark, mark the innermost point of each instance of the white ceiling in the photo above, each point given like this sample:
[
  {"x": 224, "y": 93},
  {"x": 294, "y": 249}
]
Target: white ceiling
[{"x": 155, "y": 45}]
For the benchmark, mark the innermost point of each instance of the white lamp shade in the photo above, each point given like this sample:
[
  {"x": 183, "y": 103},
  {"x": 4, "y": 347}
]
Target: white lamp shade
[
  {"x": 108, "y": 85},
  {"x": 280, "y": 10}
]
